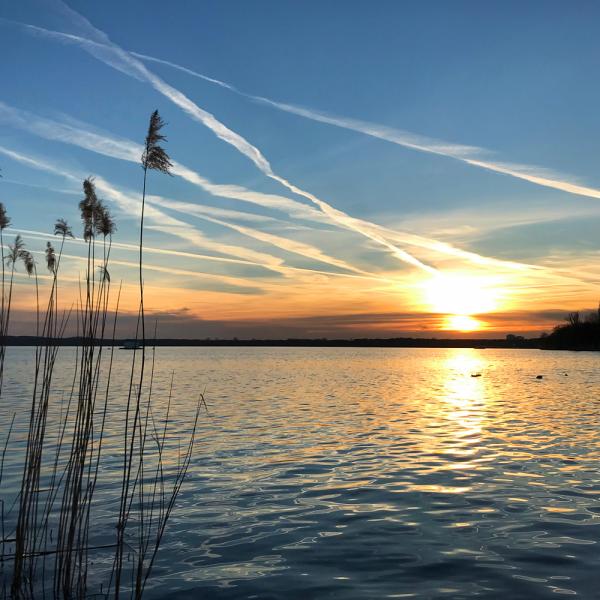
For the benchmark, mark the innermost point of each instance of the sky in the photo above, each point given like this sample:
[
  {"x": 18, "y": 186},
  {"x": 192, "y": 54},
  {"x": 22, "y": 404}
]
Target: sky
[{"x": 341, "y": 169}]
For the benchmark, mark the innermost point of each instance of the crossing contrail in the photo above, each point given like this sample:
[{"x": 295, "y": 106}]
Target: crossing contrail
[{"x": 106, "y": 51}]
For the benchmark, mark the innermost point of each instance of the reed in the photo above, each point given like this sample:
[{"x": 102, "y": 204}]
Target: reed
[
  {"x": 154, "y": 158},
  {"x": 50, "y": 539},
  {"x": 4, "y": 223}
]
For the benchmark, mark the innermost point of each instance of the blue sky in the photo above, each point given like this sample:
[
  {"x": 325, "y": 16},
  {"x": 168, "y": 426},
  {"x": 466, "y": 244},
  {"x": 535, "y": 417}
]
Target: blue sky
[{"x": 512, "y": 81}]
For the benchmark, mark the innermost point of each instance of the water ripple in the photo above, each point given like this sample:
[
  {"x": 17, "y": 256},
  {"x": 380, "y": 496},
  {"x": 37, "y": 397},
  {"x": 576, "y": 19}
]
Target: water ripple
[{"x": 374, "y": 473}]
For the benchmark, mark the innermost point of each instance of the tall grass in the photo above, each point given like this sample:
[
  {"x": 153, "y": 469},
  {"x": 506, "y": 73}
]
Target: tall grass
[
  {"x": 49, "y": 543},
  {"x": 4, "y": 313}
]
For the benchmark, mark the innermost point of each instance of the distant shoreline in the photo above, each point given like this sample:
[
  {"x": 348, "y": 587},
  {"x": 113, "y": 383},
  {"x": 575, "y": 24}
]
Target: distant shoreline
[
  {"x": 543, "y": 343},
  {"x": 294, "y": 343}
]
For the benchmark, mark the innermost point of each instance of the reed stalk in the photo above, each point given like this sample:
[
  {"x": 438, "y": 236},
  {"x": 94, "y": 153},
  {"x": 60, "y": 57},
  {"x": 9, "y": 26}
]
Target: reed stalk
[{"x": 50, "y": 543}]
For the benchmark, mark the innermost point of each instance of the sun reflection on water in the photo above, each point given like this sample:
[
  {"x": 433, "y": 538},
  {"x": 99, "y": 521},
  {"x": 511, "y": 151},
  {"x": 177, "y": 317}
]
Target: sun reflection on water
[
  {"x": 463, "y": 381},
  {"x": 462, "y": 407}
]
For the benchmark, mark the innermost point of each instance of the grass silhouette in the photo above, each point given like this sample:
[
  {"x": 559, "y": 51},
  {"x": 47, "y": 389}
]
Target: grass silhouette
[{"x": 46, "y": 545}]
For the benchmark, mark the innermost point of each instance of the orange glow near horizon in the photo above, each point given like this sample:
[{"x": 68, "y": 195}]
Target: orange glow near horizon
[{"x": 467, "y": 302}]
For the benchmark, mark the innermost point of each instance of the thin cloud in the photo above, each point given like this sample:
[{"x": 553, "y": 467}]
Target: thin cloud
[
  {"x": 234, "y": 284},
  {"x": 284, "y": 269},
  {"x": 471, "y": 155},
  {"x": 81, "y": 135},
  {"x": 111, "y": 54},
  {"x": 147, "y": 249},
  {"x": 168, "y": 224},
  {"x": 286, "y": 244},
  {"x": 160, "y": 221}
]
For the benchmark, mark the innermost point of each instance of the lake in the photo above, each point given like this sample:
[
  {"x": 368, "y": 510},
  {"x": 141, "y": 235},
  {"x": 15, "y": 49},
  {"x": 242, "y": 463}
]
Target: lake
[{"x": 369, "y": 473}]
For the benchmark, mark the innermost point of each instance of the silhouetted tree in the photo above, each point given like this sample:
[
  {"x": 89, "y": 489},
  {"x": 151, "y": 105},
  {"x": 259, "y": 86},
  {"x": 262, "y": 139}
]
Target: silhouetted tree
[{"x": 580, "y": 332}]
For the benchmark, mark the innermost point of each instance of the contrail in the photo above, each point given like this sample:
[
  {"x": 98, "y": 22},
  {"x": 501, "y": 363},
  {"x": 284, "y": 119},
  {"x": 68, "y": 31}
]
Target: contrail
[
  {"x": 170, "y": 225},
  {"x": 124, "y": 149},
  {"x": 167, "y": 224},
  {"x": 136, "y": 248},
  {"x": 127, "y": 150},
  {"x": 470, "y": 155},
  {"x": 285, "y": 269},
  {"x": 286, "y": 244},
  {"x": 233, "y": 282},
  {"x": 114, "y": 56},
  {"x": 81, "y": 135}
]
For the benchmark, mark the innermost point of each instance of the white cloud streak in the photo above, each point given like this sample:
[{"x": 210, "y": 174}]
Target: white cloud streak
[
  {"x": 83, "y": 136},
  {"x": 471, "y": 155},
  {"x": 289, "y": 245},
  {"x": 109, "y": 53},
  {"x": 130, "y": 204},
  {"x": 121, "y": 148},
  {"x": 127, "y": 150},
  {"x": 147, "y": 249},
  {"x": 234, "y": 282}
]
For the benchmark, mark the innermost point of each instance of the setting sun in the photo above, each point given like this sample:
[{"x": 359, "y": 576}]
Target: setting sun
[
  {"x": 460, "y": 294},
  {"x": 462, "y": 323}
]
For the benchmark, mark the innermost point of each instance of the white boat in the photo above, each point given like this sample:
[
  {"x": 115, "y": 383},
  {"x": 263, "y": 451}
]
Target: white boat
[{"x": 131, "y": 345}]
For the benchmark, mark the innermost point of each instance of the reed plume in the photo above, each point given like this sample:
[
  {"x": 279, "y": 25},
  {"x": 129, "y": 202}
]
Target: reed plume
[
  {"x": 154, "y": 156},
  {"x": 87, "y": 207},
  {"x": 62, "y": 228},
  {"x": 50, "y": 257},
  {"x": 51, "y": 542}
]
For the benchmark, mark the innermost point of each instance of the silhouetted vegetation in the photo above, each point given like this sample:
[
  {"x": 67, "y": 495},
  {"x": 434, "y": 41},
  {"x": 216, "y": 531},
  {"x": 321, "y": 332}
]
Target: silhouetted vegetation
[
  {"x": 45, "y": 533},
  {"x": 580, "y": 332},
  {"x": 397, "y": 342}
]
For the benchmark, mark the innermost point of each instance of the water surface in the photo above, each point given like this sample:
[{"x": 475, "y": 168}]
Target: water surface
[{"x": 375, "y": 473}]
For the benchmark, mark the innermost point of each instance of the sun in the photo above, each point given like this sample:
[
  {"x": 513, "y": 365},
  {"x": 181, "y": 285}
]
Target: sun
[
  {"x": 459, "y": 296},
  {"x": 462, "y": 323}
]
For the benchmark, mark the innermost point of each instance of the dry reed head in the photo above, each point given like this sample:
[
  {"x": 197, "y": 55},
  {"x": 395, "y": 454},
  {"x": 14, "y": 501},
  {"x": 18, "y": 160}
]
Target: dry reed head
[
  {"x": 154, "y": 156},
  {"x": 62, "y": 228},
  {"x": 95, "y": 216},
  {"x": 28, "y": 261},
  {"x": 87, "y": 208},
  {"x": 104, "y": 224},
  {"x": 15, "y": 251},
  {"x": 4, "y": 219},
  {"x": 50, "y": 257}
]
